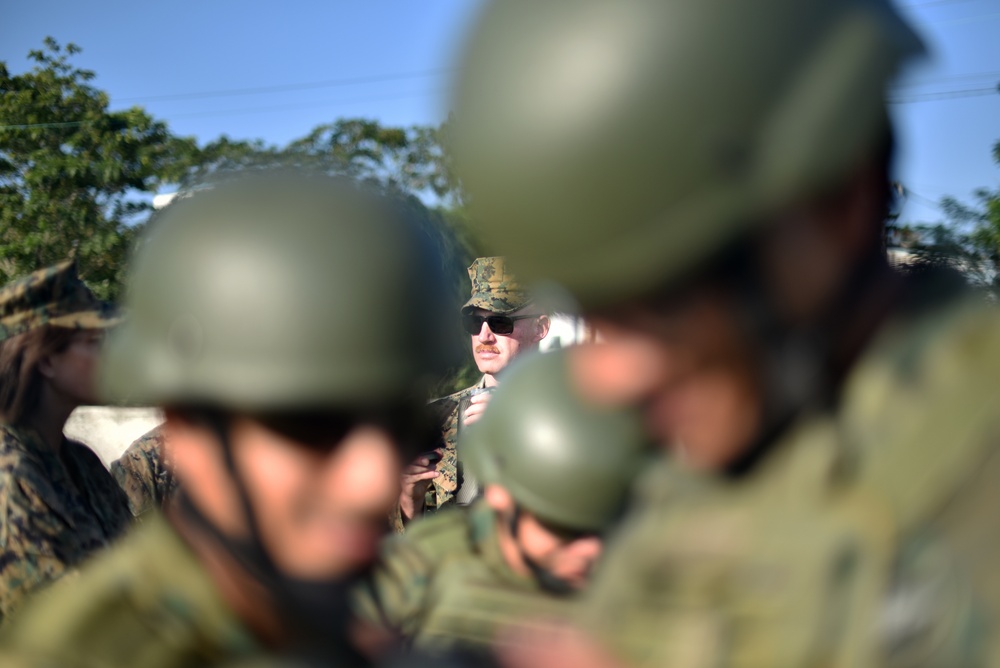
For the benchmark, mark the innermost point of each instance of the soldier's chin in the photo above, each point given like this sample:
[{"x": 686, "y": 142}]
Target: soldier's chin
[
  {"x": 489, "y": 363},
  {"x": 337, "y": 552},
  {"x": 577, "y": 581}
]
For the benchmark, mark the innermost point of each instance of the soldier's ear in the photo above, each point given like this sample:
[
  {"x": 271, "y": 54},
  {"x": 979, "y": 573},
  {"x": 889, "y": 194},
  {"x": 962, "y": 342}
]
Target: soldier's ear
[
  {"x": 542, "y": 326},
  {"x": 498, "y": 498},
  {"x": 45, "y": 367}
]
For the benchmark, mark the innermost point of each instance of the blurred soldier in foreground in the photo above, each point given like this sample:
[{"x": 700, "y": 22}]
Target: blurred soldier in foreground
[
  {"x": 144, "y": 475},
  {"x": 264, "y": 320},
  {"x": 556, "y": 472},
  {"x": 58, "y": 505},
  {"x": 503, "y": 323},
  {"x": 709, "y": 180}
]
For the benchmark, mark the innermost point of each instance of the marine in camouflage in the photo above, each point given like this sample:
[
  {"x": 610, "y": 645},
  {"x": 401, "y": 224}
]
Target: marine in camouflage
[
  {"x": 144, "y": 475},
  {"x": 56, "y": 511},
  {"x": 444, "y": 584},
  {"x": 52, "y": 296},
  {"x": 442, "y": 490},
  {"x": 494, "y": 288},
  {"x": 868, "y": 536},
  {"x": 147, "y": 602}
]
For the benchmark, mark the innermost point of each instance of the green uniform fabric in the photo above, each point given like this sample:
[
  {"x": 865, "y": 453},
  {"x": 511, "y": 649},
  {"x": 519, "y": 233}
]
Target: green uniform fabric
[
  {"x": 52, "y": 296},
  {"x": 148, "y": 602},
  {"x": 142, "y": 473},
  {"x": 444, "y": 584},
  {"x": 867, "y": 536},
  {"x": 443, "y": 488},
  {"x": 54, "y": 512}
]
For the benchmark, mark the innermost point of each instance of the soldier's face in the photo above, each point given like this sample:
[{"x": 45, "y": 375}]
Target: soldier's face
[
  {"x": 691, "y": 371},
  {"x": 493, "y": 352},
  {"x": 320, "y": 509},
  {"x": 571, "y": 559},
  {"x": 70, "y": 372}
]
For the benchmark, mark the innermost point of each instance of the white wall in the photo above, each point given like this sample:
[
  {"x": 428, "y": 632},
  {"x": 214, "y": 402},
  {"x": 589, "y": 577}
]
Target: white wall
[
  {"x": 567, "y": 330},
  {"x": 109, "y": 430}
]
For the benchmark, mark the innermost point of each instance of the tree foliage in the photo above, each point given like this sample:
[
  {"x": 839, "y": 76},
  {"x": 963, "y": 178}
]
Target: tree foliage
[
  {"x": 71, "y": 171},
  {"x": 76, "y": 177},
  {"x": 968, "y": 239}
]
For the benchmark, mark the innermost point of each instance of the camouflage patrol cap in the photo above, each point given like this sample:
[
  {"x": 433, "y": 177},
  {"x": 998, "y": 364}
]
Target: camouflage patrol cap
[
  {"x": 52, "y": 296},
  {"x": 494, "y": 288}
]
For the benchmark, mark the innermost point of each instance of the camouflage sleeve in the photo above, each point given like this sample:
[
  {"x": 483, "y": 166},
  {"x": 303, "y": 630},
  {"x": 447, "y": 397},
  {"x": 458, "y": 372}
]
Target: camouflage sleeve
[
  {"x": 141, "y": 473},
  {"x": 441, "y": 491},
  {"x": 392, "y": 598},
  {"x": 30, "y": 553}
]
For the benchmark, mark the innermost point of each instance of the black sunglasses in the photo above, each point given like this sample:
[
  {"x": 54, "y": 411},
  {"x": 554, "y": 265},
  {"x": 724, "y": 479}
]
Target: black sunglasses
[
  {"x": 563, "y": 534},
  {"x": 408, "y": 424},
  {"x": 498, "y": 324}
]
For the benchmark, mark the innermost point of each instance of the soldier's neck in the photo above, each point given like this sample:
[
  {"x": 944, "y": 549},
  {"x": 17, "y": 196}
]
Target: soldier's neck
[
  {"x": 49, "y": 418},
  {"x": 244, "y": 595}
]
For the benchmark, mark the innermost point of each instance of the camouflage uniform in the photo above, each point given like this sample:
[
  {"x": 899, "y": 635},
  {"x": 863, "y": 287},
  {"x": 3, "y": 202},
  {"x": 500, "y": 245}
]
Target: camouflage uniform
[
  {"x": 143, "y": 473},
  {"x": 496, "y": 290},
  {"x": 147, "y": 602},
  {"x": 55, "y": 508},
  {"x": 444, "y": 583},
  {"x": 856, "y": 542}
]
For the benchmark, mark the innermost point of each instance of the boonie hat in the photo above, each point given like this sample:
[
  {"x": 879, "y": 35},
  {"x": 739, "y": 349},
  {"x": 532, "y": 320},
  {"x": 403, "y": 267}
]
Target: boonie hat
[{"x": 52, "y": 296}]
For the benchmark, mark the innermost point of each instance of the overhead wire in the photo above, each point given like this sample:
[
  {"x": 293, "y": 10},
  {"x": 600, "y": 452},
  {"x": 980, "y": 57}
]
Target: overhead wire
[
  {"x": 306, "y": 105},
  {"x": 899, "y": 94},
  {"x": 943, "y": 95},
  {"x": 931, "y": 3},
  {"x": 281, "y": 88}
]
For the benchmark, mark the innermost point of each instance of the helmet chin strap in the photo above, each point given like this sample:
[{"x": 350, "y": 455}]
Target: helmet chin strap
[
  {"x": 314, "y": 613},
  {"x": 545, "y": 578},
  {"x": 802, "y": 367}
]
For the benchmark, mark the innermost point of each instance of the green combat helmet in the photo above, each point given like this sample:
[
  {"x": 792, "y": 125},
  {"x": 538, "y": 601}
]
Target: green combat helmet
[
  {"x": 285, "y": 294},
  {"x": 639, "y": 137},
  {"x": 569, "y": 463},
  {"x": 280, "y": 293}
]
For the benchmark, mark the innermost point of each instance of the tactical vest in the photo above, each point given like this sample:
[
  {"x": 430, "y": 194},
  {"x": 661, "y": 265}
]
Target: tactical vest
[
  {"x": 868, "y": 536},
  {"x": 456, "y": 590}
]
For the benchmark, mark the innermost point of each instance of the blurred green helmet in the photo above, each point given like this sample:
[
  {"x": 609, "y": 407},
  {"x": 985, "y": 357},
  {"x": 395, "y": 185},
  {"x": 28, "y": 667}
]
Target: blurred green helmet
[
  {"x": 279, "y": 292},
  {"x": 638, "y": 137},
  {"x": 564, "y": 460}
]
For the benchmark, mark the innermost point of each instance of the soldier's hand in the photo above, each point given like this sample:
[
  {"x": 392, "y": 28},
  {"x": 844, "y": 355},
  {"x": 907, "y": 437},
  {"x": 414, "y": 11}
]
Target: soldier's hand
[
  {"x": 416, "y": 479},
  {"x": 547, "y": 645},
  {"x": 477, "y": 405}
]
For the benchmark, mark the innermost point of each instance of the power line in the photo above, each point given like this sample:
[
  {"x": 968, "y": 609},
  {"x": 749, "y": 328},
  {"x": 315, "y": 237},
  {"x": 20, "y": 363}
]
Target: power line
[
  {"x": 932, "y": 3},
  {"x": 927, "y": 201},
  {"x": 943, "y": 95},
  {"x": 312, "y": 105},
  {"x": 312, "y": 85},
  {"x": 949, "y": 79},
  {"x": 27, "y": 126}
]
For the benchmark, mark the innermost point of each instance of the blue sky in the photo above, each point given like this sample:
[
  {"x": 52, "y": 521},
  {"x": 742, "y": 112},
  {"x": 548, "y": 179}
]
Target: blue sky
[{"x": 389, "y": 60}]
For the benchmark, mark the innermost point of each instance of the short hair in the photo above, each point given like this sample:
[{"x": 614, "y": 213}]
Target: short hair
[{"x": 20, "y": 380}]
